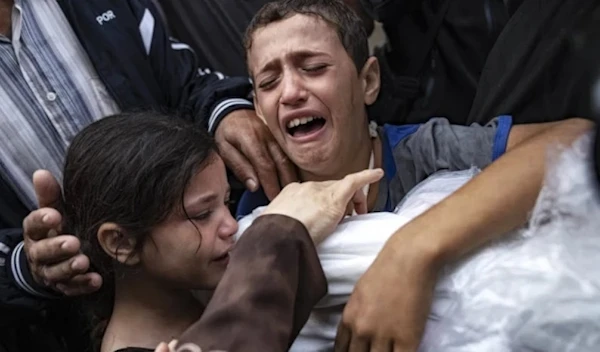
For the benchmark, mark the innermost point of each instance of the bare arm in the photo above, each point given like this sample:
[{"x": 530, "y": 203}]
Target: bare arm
[{"x": 495, "y": 202}]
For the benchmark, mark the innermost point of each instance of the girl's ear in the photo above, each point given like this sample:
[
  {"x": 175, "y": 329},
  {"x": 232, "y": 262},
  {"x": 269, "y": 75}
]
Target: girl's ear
[{"x": 115, "y": 242}]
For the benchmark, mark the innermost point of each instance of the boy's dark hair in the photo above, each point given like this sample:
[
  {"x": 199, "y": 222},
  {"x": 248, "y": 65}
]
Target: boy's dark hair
[
  {"x": 336, "y": 13},
  {"x": 132, "y": 170}
]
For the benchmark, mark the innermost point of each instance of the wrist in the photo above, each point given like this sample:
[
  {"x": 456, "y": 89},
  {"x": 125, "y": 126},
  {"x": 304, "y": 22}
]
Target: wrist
[
  {"x": 423, "y": 247},
  {"x": 225, "y": 109},
  {"x": 24, "y": 278}
]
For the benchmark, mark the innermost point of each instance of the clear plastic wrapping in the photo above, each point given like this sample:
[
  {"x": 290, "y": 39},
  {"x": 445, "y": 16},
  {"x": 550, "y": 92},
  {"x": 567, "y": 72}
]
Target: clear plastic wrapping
[{"x": 538, "y": 289}]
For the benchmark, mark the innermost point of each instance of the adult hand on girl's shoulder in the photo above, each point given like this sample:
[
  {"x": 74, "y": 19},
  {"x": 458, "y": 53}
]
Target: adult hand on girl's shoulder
[{"x": 320, "y": 206}]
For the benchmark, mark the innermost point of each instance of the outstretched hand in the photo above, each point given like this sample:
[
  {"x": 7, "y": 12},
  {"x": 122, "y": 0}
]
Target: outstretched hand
[{"x": 320, "y": 206}]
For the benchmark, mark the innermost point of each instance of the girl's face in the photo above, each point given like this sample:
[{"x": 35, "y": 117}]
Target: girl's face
[{"x": 193, "y": 252}]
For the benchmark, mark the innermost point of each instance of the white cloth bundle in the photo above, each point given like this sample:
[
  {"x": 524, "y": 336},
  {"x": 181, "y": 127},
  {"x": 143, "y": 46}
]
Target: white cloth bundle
[
  {"x": 351, "y": 249},
  {"x": 537, "y": 289}
]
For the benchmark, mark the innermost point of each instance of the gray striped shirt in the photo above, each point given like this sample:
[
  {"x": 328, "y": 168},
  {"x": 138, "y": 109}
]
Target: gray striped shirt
[{"x": 49, "y": 92}]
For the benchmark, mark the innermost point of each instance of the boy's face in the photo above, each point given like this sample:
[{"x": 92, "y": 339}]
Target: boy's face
[{"x": 309, "y": 93}]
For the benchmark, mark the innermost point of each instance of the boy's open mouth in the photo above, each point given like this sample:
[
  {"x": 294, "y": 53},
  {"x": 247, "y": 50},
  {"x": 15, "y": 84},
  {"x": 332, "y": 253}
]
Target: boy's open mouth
[{"x": 305, "y": 125}]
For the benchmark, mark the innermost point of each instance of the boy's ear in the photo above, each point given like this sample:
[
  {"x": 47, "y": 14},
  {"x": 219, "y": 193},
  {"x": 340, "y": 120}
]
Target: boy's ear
[
  {"x": 115, "y": 242},
  {"x": 370, "y": 76}
]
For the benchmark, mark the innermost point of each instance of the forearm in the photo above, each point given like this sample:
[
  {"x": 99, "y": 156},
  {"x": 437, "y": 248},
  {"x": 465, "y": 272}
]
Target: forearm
[{"x": 495, "y": 202}]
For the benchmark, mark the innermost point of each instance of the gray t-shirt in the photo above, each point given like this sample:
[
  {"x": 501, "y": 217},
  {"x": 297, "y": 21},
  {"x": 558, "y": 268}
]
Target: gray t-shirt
[{"x": 411, "y": 153}]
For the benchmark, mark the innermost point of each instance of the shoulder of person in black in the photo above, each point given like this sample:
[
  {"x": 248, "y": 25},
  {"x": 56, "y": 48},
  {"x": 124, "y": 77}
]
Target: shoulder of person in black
[
  {"x": 539, "y": 69},
  {"x": 196, "y": 23},
  {"x": 441, "y": 45}
]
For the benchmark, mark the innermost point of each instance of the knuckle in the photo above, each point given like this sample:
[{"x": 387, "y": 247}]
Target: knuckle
[
  {"x": 32, "y": 253},
  {"x": 57, "y": 272},
  {"x": 243, "y": 137},
  {"x": 29, "y": 220},
  {"x": 221, "y": 144},
  {"x": 258, "y": 126},
  {"x": 28, "y": 231},
  {"x": 267, "y": 166},
  {"x": 65, "y": 268},
  {"x": 348, "y": 318},
  {"x": 281, "y": 158},
  {"x": 42, "y": 272},
  {"x": 263, "y": 157},
  {"x": 226, "y": 125},
  {"x": 362, "y": 328},
  {"x": 353, "y": 310},
  {"x": 240, "y": 169}
]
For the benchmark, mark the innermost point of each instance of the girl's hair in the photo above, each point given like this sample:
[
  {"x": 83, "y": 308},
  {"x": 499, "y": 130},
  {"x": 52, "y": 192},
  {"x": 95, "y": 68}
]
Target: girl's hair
[{"x": 132, "y": 170}]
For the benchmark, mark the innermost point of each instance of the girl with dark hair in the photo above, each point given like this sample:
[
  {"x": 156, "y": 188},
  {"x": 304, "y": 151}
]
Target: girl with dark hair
[{"x": 147, "y": 195}]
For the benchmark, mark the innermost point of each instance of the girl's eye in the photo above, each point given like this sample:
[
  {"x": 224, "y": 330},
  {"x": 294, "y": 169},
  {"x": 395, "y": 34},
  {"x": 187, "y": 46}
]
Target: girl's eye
[{"x": 203, "y": 216}]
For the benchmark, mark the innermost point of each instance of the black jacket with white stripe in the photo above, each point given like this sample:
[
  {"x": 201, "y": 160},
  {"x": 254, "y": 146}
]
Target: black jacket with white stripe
[{"x": 141, "y": 67}]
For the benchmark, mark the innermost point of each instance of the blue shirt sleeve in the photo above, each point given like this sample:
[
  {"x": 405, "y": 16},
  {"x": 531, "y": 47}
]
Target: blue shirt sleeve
[
  {"x": 250, "y": 201},
  {"x": 501, "y": 137}
]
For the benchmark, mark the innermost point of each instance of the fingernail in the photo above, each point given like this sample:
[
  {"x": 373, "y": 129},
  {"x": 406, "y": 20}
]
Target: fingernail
[
  {"x": 75, "y": 265},
  {"x": 45, "y": 218},
  {"x": 173, "y": 344},
  {"x": 64, "y": 245},
  {"x": 251, "y": 184}
]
